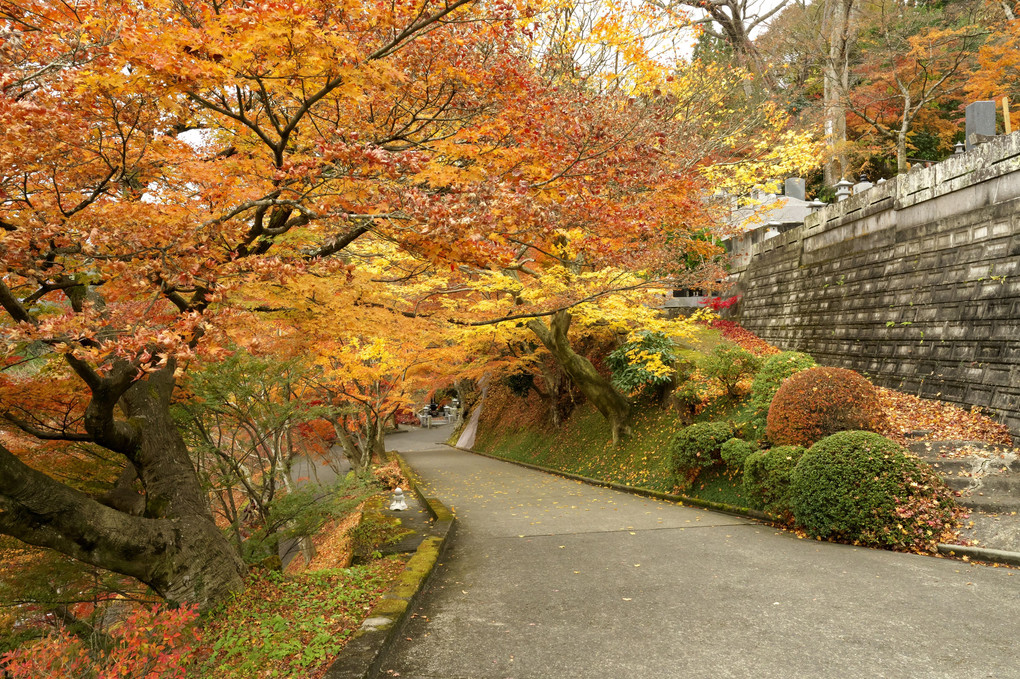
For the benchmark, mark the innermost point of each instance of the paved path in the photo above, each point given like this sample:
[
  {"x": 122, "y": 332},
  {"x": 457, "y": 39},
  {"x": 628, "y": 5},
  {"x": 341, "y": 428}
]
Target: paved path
[{"x": 549, "y": 578}]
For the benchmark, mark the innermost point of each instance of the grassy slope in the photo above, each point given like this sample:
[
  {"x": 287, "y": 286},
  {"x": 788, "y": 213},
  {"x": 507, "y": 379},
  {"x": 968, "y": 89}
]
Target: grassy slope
[{"x": 513, "y": 428}]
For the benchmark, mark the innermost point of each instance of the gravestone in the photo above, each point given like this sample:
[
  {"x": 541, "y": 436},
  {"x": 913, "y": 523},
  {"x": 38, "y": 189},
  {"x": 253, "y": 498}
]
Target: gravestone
[
  {"x": 794, "y": 188},
  {"x": 980, "y": 119}
]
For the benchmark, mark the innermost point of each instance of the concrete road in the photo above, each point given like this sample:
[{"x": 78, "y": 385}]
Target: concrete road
[{"x": 551, "y": 578}]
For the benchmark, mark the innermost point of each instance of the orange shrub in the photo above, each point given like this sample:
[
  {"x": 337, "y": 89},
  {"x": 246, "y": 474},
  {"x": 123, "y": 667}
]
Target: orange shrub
[{"x": 817, "y": 402}]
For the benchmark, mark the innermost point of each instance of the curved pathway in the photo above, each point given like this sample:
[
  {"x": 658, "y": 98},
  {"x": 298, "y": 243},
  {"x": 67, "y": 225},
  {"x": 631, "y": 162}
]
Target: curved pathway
[{"x": 550, "y": 578}]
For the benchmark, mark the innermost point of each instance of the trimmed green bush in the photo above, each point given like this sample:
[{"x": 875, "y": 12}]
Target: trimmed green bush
[
  {"x": 767, "y": 479},
  {"x": 767, "y": 381},
  {"x": 697, "y": 447},
  {"x": 860, "y": 487},
  {"x": 818, "y": 402},
  {"x": 734, "y": 452},
  {"x": 729, "y": 364}
]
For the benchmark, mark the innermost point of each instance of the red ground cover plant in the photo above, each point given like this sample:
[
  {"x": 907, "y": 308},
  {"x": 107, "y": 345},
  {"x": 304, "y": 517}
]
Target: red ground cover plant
[
  {"x": 817, "y": 402},
  {"x": 744, "y": 338},
  {"x": 720, "y": 303},
  {"x": 154, "y": 643}
]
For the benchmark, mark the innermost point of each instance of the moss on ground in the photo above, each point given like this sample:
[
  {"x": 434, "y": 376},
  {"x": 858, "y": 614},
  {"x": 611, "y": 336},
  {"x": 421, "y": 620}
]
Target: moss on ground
[{"x": 583, "y": 445}]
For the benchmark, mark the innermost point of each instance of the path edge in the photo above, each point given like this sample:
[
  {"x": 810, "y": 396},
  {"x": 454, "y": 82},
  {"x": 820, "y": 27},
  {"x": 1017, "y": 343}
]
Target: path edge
[
  {"x": 363, "y": 655},
  {"x": 952, "y": 551},
  {"x": 645, "y": 492}
]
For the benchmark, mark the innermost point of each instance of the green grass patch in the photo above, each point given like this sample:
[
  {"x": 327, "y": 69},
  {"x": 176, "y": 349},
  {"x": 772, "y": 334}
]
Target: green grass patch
[{"x": 583, "y": 445}]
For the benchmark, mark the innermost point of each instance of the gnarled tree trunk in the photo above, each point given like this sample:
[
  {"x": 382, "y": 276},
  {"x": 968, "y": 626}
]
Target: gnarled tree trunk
[
  {"x": 613, "y": 405},
  {"x": 175, "y": 546}
]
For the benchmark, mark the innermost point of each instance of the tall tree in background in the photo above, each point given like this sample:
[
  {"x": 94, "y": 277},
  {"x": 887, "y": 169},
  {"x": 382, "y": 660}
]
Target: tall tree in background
[
  {"x": 734, "y": 22},
  {"x": 910, "y": 58},
  {"x": 838, "y": 29}
]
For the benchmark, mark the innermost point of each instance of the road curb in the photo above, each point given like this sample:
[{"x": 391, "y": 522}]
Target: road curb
[
  {"x": 954, "y": 551},
  {"x": 362, "y": 656},
  {"x": 981, "y": 554},
  {"x": 669, "y": 497}
]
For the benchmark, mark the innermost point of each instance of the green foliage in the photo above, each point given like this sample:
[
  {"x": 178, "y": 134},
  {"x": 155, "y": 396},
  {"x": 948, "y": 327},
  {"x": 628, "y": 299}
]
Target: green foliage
[
  {"x": 860, "y": 487},
  {"x": 643, "y": 364},
  {"x": 734, "y": 453},
  {"x": 244, "y": 422},
  {"x": 693, "y": 390},
  {"x": 374, "y": 531},
  {"x": 696, "y": 447},
  {"x": 817, "y": 402},
  {"x": 774, "y": 370},
  {"x": 288, "y": 626},
  {"x": 301, "y": 512},
  {"x": 729, "y": 364},
  {"x": 767, "y": 479},
  {"x": 249, "y": 389}
]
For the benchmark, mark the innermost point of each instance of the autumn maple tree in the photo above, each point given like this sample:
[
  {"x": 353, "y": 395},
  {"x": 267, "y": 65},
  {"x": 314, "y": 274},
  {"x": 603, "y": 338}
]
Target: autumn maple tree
[
  {"x": 121, "y": 239},
  {"x": 173, "y": 174}
]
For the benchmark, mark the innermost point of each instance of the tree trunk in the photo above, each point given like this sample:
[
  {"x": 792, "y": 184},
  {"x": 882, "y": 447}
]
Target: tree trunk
[
  {"x": 175, "y": 547},
  {"x": 550, "y": 394},
  {"x": 610, "y": 402},
  {"x": 355, "y": 454},
  {"x": 901, "y": 152},
  {"x": 379, "y": 439},
  {"x": 838, "y": 27}
]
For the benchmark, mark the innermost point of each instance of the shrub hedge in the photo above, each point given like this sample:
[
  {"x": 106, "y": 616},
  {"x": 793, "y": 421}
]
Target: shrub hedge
[
  {"x": 817, "y": 402},
  {"x": 860, "y": 487},
  {"x": 734, "y": 453},
  {"x": 697, "y": 447},
  {"x": 729, "y": 364},
  {"x": 767, "y": 479}
]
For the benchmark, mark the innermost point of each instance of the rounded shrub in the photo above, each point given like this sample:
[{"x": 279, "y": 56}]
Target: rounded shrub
[
  {"x": 696, "y": 447},
  {"x": 767, "y": 479},
  {"x": 860, "y": 487},
  {"x": 734, "y": 452},
  {"x": 817, "y": 402},
  {"x": 766, "y": 382}
]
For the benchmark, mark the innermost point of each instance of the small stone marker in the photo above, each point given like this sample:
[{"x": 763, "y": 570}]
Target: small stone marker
[{"x": 399, "y": 504}]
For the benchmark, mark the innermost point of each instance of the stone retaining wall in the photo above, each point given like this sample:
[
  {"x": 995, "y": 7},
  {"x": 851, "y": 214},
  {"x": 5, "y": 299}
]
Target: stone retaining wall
[{"x": 915, "y": 283}]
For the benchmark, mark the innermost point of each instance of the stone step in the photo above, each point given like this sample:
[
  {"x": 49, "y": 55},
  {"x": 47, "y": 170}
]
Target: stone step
[{"x": 987, "y": 478}]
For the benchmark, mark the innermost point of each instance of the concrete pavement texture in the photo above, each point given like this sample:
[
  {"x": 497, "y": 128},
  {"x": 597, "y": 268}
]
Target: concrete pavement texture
[{"x": 549, "y": 577}]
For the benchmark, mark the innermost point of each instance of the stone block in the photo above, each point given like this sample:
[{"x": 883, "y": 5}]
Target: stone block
[
  {"x": 988, "y": 351},
  {"x": 997, "y": 377},
  {"x": 979, "y": 396},
  {"x": 1003, "y": 399}
]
